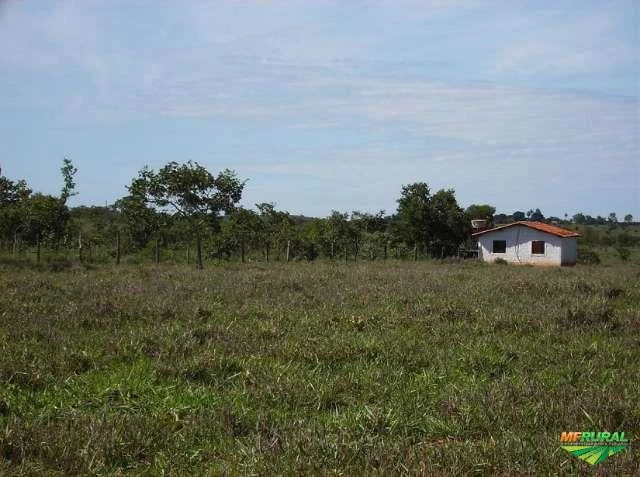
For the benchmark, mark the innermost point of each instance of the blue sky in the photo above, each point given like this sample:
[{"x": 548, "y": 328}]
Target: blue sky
[{"x": 330, "y": 104}]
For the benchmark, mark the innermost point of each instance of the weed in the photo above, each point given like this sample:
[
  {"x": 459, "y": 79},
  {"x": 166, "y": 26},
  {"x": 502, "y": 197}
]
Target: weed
[{"x": 314, "y": 368}]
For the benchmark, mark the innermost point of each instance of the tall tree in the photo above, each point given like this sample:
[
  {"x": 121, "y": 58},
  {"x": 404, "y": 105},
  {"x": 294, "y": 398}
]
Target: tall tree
[
  {"x": 536, "y": 215},
  {"x": 191, "y": 192},
  {"x": 481, "y": 211},
  {"x": 141, "y": 220},
  {"x": 13, "y": 200},
  {"x": 62, "y": 214},
  {"x": 518, "y": 215},
  {"x": 435, "y": 222},
  {"x": 336, "y": 231},
  {"x": 414, "y": 214},
  {"x": 449, "y": 223}
]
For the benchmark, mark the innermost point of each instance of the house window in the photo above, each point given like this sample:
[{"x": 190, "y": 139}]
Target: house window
[
  {"x": 499, "y": 246},
  {"x": 537, "y": 247}
]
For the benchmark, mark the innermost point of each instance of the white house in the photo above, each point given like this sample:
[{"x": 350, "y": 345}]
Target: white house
[{"x": 534, "y": 243}]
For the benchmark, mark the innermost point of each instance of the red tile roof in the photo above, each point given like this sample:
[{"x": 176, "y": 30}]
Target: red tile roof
[{"x": 550, "y": 229}]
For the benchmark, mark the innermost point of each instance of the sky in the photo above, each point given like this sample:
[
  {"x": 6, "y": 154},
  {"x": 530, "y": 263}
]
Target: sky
[{"x": 327, "y": 105}]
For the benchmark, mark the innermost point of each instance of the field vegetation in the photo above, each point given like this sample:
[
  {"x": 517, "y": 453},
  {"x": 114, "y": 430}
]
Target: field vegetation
[{"x": 436, "y": 367}]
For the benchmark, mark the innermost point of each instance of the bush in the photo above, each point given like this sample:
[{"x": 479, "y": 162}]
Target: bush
[
  {"x": 625, "y": 239},
  {"x": 310, "y": 251},
  {"x": 500, "y": 261},
  {"x": 586, "y": 256},
  {"x": 623, "y": 253}
]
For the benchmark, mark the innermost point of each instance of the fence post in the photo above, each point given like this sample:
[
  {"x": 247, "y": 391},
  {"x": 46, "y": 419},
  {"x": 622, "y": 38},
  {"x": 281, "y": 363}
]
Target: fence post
[
  {"x": 80, "y": 246},
  {"x": 242, "y": 249},
  {"x": 188, "y": 254},
  {"x": 385, "y": 250},
  {"x": 415, "y": 252},
  {"x": 333, "y": 244},
  {"x": 199, "y": 251},
  {"x": 118, "y": 247},
  {"x": 346, "y": 253},
  {"x": 288, "y": 248},
  {"x": 267, "y": 251},
  {"x": 38, "y": 249},
  {"x": 157, "y": 251}
]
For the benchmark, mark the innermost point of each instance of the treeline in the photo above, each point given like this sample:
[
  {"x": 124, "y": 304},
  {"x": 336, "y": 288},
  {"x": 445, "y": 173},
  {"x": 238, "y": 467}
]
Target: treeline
[{"x": 184, "y": 212}]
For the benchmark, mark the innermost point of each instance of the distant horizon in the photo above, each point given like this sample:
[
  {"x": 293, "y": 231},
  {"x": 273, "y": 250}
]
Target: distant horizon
[{"x": 330, "y": 105}]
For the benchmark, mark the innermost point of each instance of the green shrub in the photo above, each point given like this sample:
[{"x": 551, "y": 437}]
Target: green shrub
[
  {"x": 586, "y": 256},
  {"x": 623, "y": 253}
]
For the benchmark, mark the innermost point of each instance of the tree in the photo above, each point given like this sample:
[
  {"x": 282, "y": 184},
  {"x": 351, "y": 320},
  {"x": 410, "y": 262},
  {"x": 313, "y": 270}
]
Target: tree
[
  {"x": 579, "y": 218},
  {"x": 628, "y": 218},
  {"x": 502, "y": 218},
  {"x": 536, "y": 215},
  {"x": 336, "y": 230},
  {"x": 435, "y": 222},
  {"x": 13, "y": 198},
  {"x": 414, "y": 214},
  {"x": 371, "y": 230},
  {"x": 141, "y": 220},
  {"x": 68, "y": 171},
  {"x": 276, "y": 227},
  {"x": 448, "y": 222},
  {"x": 518, "y": 215},
  {"x": 612, "y": 219},
  {"x": 191, "y": 192},
  {"x": 35, "y": 216},
  {"x": 481, "y": 211},
  {"x": 62, "y": 214},
  {"x": 244, "y": 228},
  {"x": 41, "y": 217},
  {"x": 12, "y": 192}
]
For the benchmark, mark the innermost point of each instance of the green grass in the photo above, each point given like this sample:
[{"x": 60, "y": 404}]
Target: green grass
[{"x": 398, "y": 367}]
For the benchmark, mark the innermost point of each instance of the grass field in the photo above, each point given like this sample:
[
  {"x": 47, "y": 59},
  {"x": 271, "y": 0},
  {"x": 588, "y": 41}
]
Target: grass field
[{"x": 398, "y": 367}]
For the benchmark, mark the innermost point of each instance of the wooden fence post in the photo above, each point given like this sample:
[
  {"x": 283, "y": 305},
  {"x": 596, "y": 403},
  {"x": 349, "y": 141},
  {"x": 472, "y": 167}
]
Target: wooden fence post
[
  {"x": 80, "y": 246},
  {"x": 242, "y": 249},
  {"x": 38, "y": 249},
  {"x": 199, "y": 251},
  {"x": 415, "y": 253},
  {"x": 288, "y": 248},
  {"x": 188, "y": 254},
  {"x": 267, "y": 251},
  {"x": 346, "y": 254},
  {"x": 157, "y": 251},
  {"x": 118, "y": 247}
]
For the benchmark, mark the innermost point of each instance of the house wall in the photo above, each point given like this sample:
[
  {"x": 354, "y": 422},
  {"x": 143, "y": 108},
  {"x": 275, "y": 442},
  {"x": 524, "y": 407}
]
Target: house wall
[
  {"x": 569, "y": 251},
  {"x": 519, "y": 240}
]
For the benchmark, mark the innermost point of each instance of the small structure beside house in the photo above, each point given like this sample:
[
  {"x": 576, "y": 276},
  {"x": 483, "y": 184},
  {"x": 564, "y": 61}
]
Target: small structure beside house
[{"x": 528, "y": 242}]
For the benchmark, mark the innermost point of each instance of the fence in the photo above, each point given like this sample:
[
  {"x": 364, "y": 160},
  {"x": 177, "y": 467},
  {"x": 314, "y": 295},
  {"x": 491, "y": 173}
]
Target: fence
[{"x": 199, "y": 253}]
